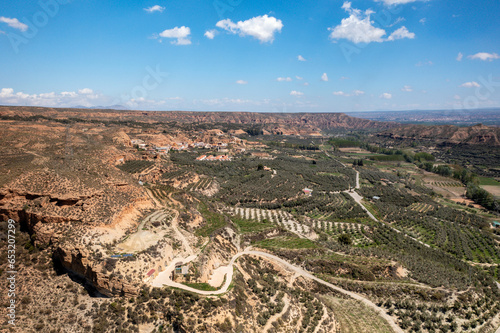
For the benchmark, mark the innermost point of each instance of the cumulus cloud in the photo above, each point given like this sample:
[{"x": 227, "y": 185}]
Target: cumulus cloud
[
  {"x": 422, "y": 20},
  {"x": 460, "y": 56},
  {"x": 210, "y": 34},
  {"x": 301, "y": 58},
  {"x": 241, "y": 82},
  {"x": 472, "y": 84},
  {"x": 484, "y": 56},
  {"x": 14, "y": 23},
  {"x": 262, "y": 28},
  {"x": 296, "y": 93},
  {"x": 181, "y": 35},
  {"x": 401, "y": 33},
  {"x": 359, "y": 28},
  {"x": 324, "y": 77},
  {"x": 84, "y": 97},
  {"x": 354, "y": 93},
  {"x": 284, "y": 79},
  {"x": 85, "y": 91},
  {"x": 299, "y": 77},
  {"x": 386, "y": 96},
  {"x": 155, "y": 8},
  {"x": 407, "y": 89}
]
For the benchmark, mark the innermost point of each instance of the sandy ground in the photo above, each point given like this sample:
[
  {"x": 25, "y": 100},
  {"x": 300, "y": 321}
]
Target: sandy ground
[
  {"x": 143, "y": 239},
  {"x": 218, "y": 276},
  {"x": 493, "y": 189}
]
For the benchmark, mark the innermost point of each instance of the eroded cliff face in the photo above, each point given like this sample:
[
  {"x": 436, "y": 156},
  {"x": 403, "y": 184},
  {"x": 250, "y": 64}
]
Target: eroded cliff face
[
  {"x": 77, "y": 260},
  {"x": 49, "y": 218},
  {"x": 218, "y": 253}
]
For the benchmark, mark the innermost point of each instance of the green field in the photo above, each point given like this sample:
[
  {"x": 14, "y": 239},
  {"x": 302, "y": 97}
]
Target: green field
[
  {"x": 286, "y": 242},
  {"x": 488, "y": 181},
  {"x": 213, "y": 221},
  {"x": 246, "y": 226}
]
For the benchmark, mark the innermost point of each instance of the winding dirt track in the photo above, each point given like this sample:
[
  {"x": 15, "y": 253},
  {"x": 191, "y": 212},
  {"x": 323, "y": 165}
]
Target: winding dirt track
[{"x": 163, "y": 279}]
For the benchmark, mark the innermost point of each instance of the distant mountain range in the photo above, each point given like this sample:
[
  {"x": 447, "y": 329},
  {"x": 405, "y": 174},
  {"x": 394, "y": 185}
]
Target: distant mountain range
[
  {"x": 308, "y": 124},
  {"x": 450, "y": 134},
  {"x": 489, "y": 117}
]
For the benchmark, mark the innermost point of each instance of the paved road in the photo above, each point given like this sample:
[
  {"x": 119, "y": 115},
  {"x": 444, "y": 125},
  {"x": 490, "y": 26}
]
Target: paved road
[{"x": 164, "y": 279}]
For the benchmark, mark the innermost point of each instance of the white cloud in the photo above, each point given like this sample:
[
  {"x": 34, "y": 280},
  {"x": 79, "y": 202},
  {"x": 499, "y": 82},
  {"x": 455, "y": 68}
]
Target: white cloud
[
  {"x": 241, "y": 82},
  {"x": 301, "y": 58},
  {"x": 14, "y": 23},
  {"x": 424, "y": 63},
  {"x": 407, "y": 89},
  {"x": 422, "y": 20},
  {"x": 306, "y": 83},
  {"x": 85, "y": 91},
  {"x": 460, "y": 56},
  {"x": 400, "y": 34},
  {"x": 354, "y": 93},
  {"x": 262, "y": 28},
  {"x": 324, "y": 77},
  {"x": 472, "y": 84},
  {"x": 180, "y": 34},
  {"x": 396, "y": 2},
  {"x": 357, "y": 27},
  {"x": 344, "y": 78},
  {"x": 84, "y": 97},
  {"x": 155, "y": 8},
  {"x": 210, "y": 34},
  {"x": 296, "y": 93},
  {"x": 386, "y": 96},
  {"x": 284, "y": 79},
  {"x": 484, "y": 56},
  {"x": 299, "y": 77}
]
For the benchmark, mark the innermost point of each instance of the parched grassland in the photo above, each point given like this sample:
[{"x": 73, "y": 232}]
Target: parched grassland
[{"x": 355, "y": 317}]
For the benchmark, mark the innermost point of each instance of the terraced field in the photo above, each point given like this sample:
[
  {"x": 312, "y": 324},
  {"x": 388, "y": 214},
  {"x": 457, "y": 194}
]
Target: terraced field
[
  {"x": 278, "y": 217},
  {"x": 135, "y": 166},
  {"x": 358, "y": 232},
  {"x": 421, "y": 207},
  {"x": 354, "y": 316}
]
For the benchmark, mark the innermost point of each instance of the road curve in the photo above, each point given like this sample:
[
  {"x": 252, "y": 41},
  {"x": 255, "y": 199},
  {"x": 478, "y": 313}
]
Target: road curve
[{"x": 163, "y": 279}]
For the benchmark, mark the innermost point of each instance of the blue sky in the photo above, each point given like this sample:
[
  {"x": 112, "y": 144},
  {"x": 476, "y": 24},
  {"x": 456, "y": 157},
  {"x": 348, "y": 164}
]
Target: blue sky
[{"x": 242, "y": 55}]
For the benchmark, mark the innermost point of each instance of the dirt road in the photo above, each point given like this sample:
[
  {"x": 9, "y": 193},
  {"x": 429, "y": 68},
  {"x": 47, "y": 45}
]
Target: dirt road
[{"x": 163, "y": 279}]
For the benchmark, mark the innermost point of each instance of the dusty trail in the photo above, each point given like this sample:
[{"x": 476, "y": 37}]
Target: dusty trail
[{"x": 163, "y": 279}]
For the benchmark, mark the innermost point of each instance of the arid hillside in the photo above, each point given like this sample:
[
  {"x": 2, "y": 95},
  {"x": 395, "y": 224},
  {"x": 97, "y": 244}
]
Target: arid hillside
[
  {"x": 278, "y": 123},
  {"x": 474, "y": 135}
]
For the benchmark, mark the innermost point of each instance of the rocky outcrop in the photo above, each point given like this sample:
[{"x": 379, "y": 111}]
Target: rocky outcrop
[{"x": 77, "y": 260}]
